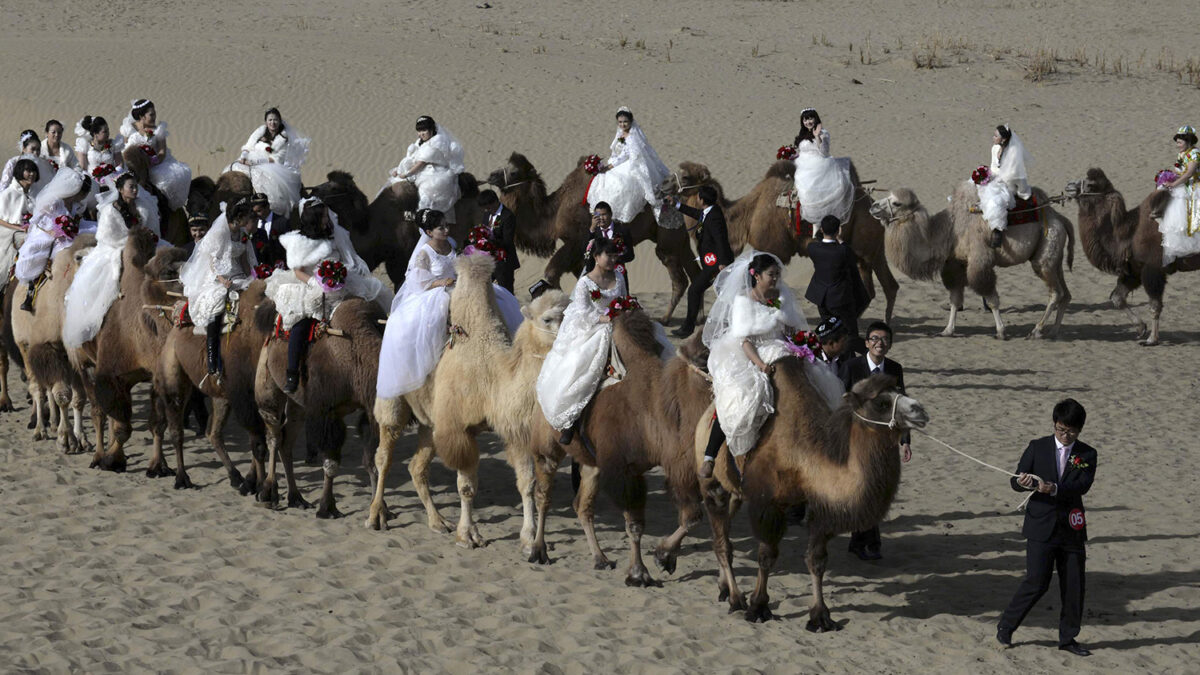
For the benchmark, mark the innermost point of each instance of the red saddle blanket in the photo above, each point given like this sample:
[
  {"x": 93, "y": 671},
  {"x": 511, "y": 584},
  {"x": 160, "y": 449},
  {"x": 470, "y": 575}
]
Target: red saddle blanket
[{"x": 1026, "y": 211}]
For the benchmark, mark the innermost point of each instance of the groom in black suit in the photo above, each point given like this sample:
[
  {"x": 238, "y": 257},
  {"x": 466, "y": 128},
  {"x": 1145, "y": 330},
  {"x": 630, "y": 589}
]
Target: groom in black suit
[
  {"x": 836, "y": 287},
  {"x": 502, "y": 224},
  {"x": 712, "y": 241},
  {"x": 271, "y": 225},
  {"x": 1055, "y": 527}
]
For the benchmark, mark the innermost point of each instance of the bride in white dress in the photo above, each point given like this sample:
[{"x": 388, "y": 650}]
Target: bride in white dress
[
  {"x": 823, "y": 184},
  {"x": 272, "y": 157},
  {"x": 416, "y": 332},
  {"x": 576, "y": 363},
  {"x": 1180, "y": 222},
  {"x": 29, "y": 147},
  {"x": 747, "y": 331},
  {"x": 98, "y": 279},
  {"x": 432, "y": 163},
  {"x": 628, "y": 178},
  {"x": 54, "y": 150},
  {"x": 1009, "y": 179},
  {"x": 141, "y": 128},
  {"x": 99, "y": 155},
  {"x": 58, "y": 209}
]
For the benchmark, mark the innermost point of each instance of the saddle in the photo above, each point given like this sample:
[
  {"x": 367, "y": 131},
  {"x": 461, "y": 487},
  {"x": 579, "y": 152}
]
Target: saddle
[
  {"x": 318, "y": 330},
  {"x": 180, "y": 318},
  {"x": 1025, "y": 211}
]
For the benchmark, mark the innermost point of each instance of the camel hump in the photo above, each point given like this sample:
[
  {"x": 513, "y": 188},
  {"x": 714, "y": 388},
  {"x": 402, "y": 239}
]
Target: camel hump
[
  {"x": 784, "y": 169},
  {"x": 468, "y": 185}
]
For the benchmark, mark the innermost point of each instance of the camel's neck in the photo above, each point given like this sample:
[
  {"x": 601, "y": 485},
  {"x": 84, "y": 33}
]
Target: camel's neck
[
  {"x": 1106, "y": 231},
  {"x": 919, "y": 244}
]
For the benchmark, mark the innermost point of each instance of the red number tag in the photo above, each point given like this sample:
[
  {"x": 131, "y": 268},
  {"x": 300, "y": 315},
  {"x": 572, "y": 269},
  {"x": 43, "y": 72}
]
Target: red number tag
[
  {"x": 710, "y": 259},
  {"x": 1075, "y": 519}
]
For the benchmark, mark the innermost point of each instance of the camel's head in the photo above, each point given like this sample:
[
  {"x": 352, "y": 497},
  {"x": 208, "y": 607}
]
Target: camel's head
[
  {"x": 516, "y": 172},
  {"x": 476, "y": 266},
  {"x": 694, "y": 352},
  {"x": 342, "y": 195},
  {"x": 691, "y": 176},
  {"x": 877, "y": 401},
  {"x": 543, "y": 316},
  {"x": 1094, "y": 183},
  {"x": 897, "y": 205}
]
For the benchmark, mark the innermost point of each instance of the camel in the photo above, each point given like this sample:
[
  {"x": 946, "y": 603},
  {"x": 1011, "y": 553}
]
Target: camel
[
  {"x": 954, "y": 243},
  {"x": 543, "y": 219},
  {"x": 483, "y": 380},
  {"x": 341, "y": 369},
  {"x": 646, "y": 420},
  {"x": 384, "y": 230},
  {"x": 761, "y": 220},
  {"x": 1127, "y": 243},
  {"x": 183, "y": 367},
  {"x": 842, "y": 466},
  {"x": 38, "y": 338},
  {"x": 126, "y": 351}
]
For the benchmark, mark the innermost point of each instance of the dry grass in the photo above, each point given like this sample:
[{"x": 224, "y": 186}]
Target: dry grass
[{"x": 1041, "y": 65}]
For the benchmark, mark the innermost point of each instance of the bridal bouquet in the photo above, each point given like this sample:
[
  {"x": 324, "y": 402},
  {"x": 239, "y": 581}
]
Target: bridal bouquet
[
  {"x": 591, "y": 165},
  {"x": 331, "y": 275},
  {"x": 1165, "y": 177},
  {"x": 805, "y": 345},
  {"x": 621, "y": 304},
  {"x": 66, "y": 227},
  {"x": 981, "y": 176},
  {"x": 479, "y": 240},
  {"x": 786, "y": 152}
]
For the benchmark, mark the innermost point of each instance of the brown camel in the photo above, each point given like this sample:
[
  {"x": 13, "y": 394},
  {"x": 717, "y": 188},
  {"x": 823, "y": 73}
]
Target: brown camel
[
  {"x": 231, "y": 186},
  {"x": 763, "y": 219},
  {"x": 483, "y": 380},
  {"x": 338, "y": 379},
  {"x": 183, "y": 367},
  {"x": 126, "y": 350},
  {"x": 954, "y": 243},
  {"x": 384, "y": 230},
  {"x": 38, "y": 338},
  {"x": 842, "y": 466},
  {"x": 544, "y": 219},
  {"x": 172, "y": 224},
  {"x": 1127, "y": 243},
  {"x": 646, "y": 420}
]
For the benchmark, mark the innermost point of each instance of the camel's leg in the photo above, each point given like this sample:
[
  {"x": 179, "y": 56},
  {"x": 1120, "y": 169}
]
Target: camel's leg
[
  {"x": 818, "y": 554},
  {"x": 1155, "y": 282},
  {"x": 258, "y": 464},
  {"x": 954, "y": 279},
  {"x": 174, "y": 404},
  {"x": 294, "y": 422},
  {"x": 216, "y": 438},
  {"x": 60, "y": 399},
  {"x": 113, "y": 397},
  {"x": 568, "y": 258},
  {"x": 5, "y": 402},
  {"x": 1119, "y": 297},
  {"x": 523, "y": 466},
  {"x": 544, "y": 470},
  {"x": 889, "y": 285},
  {"x": 585, "y": 509},
  {"x": 327, "y": 506},
  {"x": 388, "y": 437},
  {"x": 418, "y": 469},
  {"x": 681, "y": 273},
  {"x": 271, "y": 408},
  {"x": 39, "y": 416},
  {"x": 158, "y": 462},
  {"x": 467, "y": 535},
  {"x": 635, "y": 526},
  {"x": 993, "y": 301},
  {"x": 1060, "y": 296},
  {"x": 1156, "y": 306},
  {"x": 769, "y": 526},
  {"x": 717, "y": 506},
  {"x": 864, "y": 273},
  {"x": 667, "y": 552}
]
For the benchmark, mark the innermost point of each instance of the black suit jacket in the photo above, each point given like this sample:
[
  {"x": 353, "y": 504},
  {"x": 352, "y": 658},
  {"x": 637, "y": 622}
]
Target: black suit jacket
[
  {"x": 267, "y": 248},
  {"x": 621, "y": 236},
  {"x": 504, "y": 231},
  {"x": 857, "y": 369},
  {"x": 712, "y": 237},
  {"x": 1048, "y": 517},
  {"x": 835, "y": 280}
]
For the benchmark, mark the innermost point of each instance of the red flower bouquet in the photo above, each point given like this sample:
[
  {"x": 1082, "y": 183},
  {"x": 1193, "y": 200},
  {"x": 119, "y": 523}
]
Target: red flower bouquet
[
  {"x": 66, "y": 227},
  {"x": 151, "y": 153},
  {"x": 786, "y": 152},
  {"x": 479, "y": 240},
  {"x": 591, "y": 165},
  {"x": 805, "y": 345},
  {"x": 621, "y": 304},
  {"x": 981, "y": 175},
  {"x": 331, "y": 275},
  {"x": 101, "y": 171},
  {"x": 262, "y": 271}
]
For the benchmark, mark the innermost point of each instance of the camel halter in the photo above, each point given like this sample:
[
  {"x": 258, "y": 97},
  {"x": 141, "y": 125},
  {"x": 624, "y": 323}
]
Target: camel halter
[
  {"x": 507, "y": 184},
  {"x": 890, "y": 424}
]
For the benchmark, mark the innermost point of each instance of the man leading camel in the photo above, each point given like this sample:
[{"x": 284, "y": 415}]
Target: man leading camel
[{"x": 712, "y": 241}]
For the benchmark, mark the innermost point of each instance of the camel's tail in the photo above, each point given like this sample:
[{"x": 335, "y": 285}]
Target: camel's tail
[{"x": 1070, "y": 228}]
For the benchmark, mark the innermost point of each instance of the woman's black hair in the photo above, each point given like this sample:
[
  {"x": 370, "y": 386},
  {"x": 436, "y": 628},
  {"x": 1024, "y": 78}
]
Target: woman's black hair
[
  {"x": 53, "y": 123},
  {"x": 85, "y": 185},
  {"x": 604, "y": 245},
  {"x": 128, "y": 212},
  {"x": 93, "y": 125},
  {"x": 313, "y": 222},
  {"x": 428, "y": 219},
  {"x": 761, "y": 263},
  {"x": 239, "y": 210},
  {"x": 27, "y": 136},
  {"x": 624, "y": 113},
  {"x": 123, "y": 179},
  {"x": 25, "y": 164},
  {"x": 806, "y": 134},
  {"x": 140, "y": 108},
  {"x": 1005, "y": 134},
  {"x": 1190, "y": 139},
  {"x": 426, "y": 123},
  {"x": 267, "y": 132}
]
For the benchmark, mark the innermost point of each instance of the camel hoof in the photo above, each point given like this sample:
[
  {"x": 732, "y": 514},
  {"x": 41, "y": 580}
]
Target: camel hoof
[
  {"x": 642, "y": 580},
  {"x": 39, "y": 435},
  {"x": 268, "y": 494},
  {"x": 471, "y": 540},
  {"x": 761, "y": 614},
  {"x": 1035, "y": 335},
  {"x": 1001, "y": 337},
  {"x": 182, "y": 482},
  {"x": 603, "y": 563},
  {"x": 665, "y": 561},
  {"x": 295, "y": 501},
  {"x": 439, "y": 525},
  {"x": 538, "y": 555},
  {"x": 108, "y": 462},
  {"x": 737, "y": 604},
  {"x": 159, "y": 471},
  {"x": 946, "y": 334},
  {"x": 722, "y": 593},
  {"x": 249, "y": 486},
  {"x": 328, "y": 511},
  {"x": 1148, "y": 343},
  {"x": 6, "y": 405},
  {"x": 822, "y": 625},
  {"x": 235, "y": 480}
]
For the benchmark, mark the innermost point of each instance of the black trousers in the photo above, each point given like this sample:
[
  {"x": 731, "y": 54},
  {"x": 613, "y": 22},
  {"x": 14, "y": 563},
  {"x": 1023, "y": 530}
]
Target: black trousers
[
  {"x": 716, "y": 436},
  {"x": 1041, "y": 559},
  {"x": 695, "y": 294},
  {"x": 298, "y": 344},
  {"x": 503, "y": 276}
]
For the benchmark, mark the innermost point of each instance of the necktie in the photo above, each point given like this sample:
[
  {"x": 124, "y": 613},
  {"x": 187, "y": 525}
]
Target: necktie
[
  {"x": 876, "y": 370},
  {"x": 1062, "y": 462}
]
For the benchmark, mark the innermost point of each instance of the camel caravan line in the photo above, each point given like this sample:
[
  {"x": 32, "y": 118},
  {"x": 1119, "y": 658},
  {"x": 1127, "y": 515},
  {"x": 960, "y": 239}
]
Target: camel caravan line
[{"x": 839, "y": 465}]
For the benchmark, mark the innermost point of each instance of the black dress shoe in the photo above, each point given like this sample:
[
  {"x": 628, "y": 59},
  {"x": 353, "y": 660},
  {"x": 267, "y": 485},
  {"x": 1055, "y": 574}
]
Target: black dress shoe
[
  {"x": 1004, "y": 637},
  {"x": 567, "y": 436},
  {"x": 683, "y": 331},
  {"x": 292, "y": 383},
  {"x": 1075, "y": 648}
]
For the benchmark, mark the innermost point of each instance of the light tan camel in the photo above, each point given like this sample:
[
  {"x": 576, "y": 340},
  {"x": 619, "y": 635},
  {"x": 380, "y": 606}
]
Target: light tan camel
[
  {"x": 544, "y": 219},
  {"x": 954, "y": 243},
  {"x": 338, "y": 379},
  {"x": 1127, "y": 243},
  {"x": 38, "y": 337},
  {"x": 843, "y": 467},
  {"x": 183, "y": 367},
  {"x": 763, "y": 219},
  {"x": 482, "y": 381}
]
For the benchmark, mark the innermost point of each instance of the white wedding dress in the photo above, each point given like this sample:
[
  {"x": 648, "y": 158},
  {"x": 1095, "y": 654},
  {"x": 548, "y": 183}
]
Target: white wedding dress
[
  {"x": 109, "y": 155},
  {"x": 16, "y": 207},
  {"x": 45, "y": 172},
  {"x": 65, "y": 157},
  {"x": 1180, "y": 221},
  {"x": 437, "y": 181},
  {"x": 274, "y": 168},
  {"x": 742, "y": 393},
  {"x": 219, "y": 253},
  {"x": 1010, "y": 179},
  {"x": 41, "y": 244},
  {"x": 172, "y": 177},
  {"x": 576, "y": 363},
  {"x": 629, "y": 184},
  {"x": 823, "y": 184},
  {"x": 416, "y": 332},
  {"x": 97, "y": 282}
]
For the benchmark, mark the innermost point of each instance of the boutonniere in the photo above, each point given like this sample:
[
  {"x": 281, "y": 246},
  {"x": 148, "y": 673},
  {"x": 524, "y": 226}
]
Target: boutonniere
[
  {"x": 268, "y": 148},
  {"x": 621, "y": 140},
  {"x": 149, "y": 133},
  {"x": 242, "y": 236},
  {"x": 1076, "y": 462},
  {"x": 774, "y": 304}
]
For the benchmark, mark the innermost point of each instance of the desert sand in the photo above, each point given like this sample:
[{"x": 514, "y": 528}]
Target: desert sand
[{"x": 119, "y": 573}]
